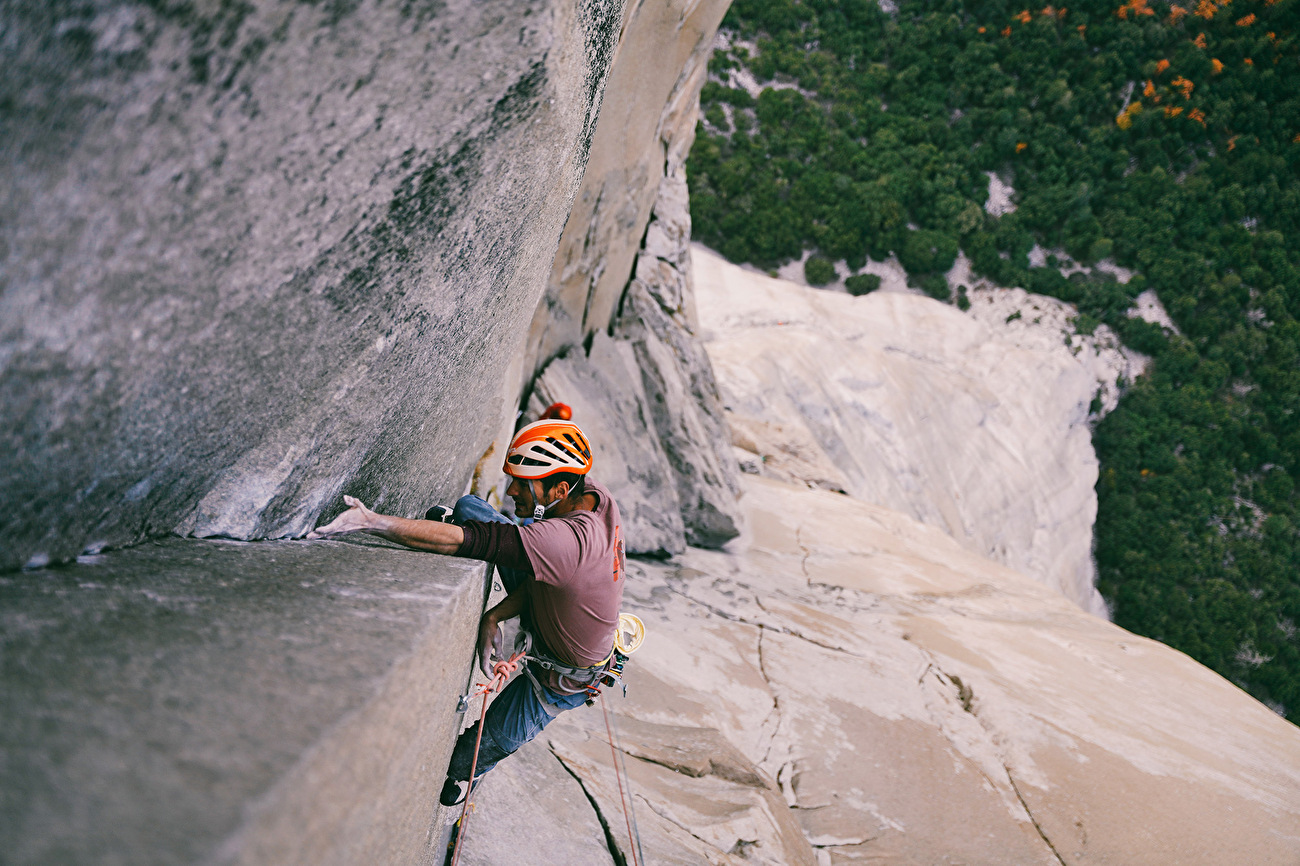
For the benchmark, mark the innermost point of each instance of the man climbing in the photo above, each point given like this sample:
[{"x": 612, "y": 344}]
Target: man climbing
[{"x": 563, "y": 577}]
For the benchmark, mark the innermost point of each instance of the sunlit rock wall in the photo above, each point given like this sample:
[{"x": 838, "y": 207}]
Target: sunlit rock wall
[
  {"x": 255, "y": 255},
  {"x": 844, "y": 684},
  {"x": 974, "y": 423}
]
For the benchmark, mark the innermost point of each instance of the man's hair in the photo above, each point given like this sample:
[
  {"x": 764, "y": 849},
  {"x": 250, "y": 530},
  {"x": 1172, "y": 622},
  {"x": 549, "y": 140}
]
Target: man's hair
[{"x": 577, "y": 483}]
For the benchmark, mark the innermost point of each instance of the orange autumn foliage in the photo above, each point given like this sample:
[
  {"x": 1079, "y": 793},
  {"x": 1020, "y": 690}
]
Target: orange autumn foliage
[
  {"x": 1006, "y": 31},
  {"x": 1205, "y": 9},
  {"x": 1149, "y": 90},
  {"x": 1247, "y": 20},
  {"x": 1197, "y": 115},
  {"x": 1217, "y": 65},
  {"x": 1024, "y": 17},
  {"x": 1249, "y": 62},
  {"x": 1020, "y": 146},
  {"x": 1199, "y": 41},
  {"x": 1232, "y": 142},
  {"x": 1162, "y": 66},
  {"x": 1184, "y": 85},
  {"x": 1172, "y": 111},
  {"x": 1137, "y": 7},
  {"x": 1125, "y": 118},
  {"x": 1176, "y": 13}
]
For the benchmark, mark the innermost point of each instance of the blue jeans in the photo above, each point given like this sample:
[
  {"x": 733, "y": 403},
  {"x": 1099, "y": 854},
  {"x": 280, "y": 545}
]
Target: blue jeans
[
  {"x": 516, "y": 715},
  {"x": 470, "y": 507},
  {"x": 513, "y": 718}
]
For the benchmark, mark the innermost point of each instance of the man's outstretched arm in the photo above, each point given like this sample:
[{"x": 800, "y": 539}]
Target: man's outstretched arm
[{"x": 418, "y": 534}]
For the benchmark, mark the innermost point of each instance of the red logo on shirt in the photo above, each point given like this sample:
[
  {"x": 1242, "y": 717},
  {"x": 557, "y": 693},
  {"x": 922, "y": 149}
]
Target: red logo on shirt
[{"x": 618, "y": 554}]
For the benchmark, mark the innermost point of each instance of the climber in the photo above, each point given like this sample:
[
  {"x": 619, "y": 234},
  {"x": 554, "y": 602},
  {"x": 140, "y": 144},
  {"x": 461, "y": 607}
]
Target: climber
[{"x": 562, "y": 573}]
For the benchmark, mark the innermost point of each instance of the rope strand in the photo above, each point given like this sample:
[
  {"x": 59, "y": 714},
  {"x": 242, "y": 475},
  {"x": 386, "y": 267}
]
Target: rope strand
[
  {"x": 631, "y": 799},
  {"x": 617, "y": 775},
  {"x": 501, "y": 671}
]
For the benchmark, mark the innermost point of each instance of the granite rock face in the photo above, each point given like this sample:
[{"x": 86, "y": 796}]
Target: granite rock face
[
  {"x": 257, "y": 255},
  {"x": 897, "y": 698},
  {"x": 603, "y": 387},
  {"x": 507, "y": 803},
  {"x": 195, "y": 701},
  {"x": 646, "y": 127},
  {"x": 969, "y": 422},
  {"x": 658, "y": 319},
  {"x": 623, "y": 269},
  {"x": 648, "y": 401}
]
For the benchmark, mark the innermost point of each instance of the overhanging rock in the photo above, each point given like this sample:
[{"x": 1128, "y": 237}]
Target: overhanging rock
[{"x": 272, "y": 252}]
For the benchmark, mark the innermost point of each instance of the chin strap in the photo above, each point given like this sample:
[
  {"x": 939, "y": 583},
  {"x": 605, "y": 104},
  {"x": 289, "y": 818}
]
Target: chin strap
[{"x": 539, "y": 511}]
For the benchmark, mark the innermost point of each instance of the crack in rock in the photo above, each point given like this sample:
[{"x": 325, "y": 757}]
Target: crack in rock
[
  {"x": 965, "y": 696},
  {"x": 807, "y": 554},
  {"x": 614, "y": 852},
  {"x": 734, "y": 617}
]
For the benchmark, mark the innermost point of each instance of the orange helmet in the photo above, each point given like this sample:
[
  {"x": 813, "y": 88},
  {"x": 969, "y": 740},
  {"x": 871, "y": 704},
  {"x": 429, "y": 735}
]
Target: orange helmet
[{"x": 546, "y": 447}]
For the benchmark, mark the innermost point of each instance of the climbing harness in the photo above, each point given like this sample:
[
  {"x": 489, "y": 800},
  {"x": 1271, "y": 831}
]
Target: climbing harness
[
  {"x": 501, "y": 671},
  {"x": 628, "y": 637}
]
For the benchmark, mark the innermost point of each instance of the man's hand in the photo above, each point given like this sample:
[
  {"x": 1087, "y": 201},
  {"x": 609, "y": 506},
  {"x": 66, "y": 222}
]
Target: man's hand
[
  {"x": 357, "y": 518},
  {"x": 490, "y": 642}
]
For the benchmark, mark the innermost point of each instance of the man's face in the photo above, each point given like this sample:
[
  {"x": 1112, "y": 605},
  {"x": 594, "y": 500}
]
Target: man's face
[{"x": 521, "y": 492}]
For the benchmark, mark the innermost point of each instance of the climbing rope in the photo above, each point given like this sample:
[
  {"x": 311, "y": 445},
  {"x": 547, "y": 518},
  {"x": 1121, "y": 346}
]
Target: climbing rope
[
  {"x": 501, "y": 672},
  {"x": 629, "y": 813}
]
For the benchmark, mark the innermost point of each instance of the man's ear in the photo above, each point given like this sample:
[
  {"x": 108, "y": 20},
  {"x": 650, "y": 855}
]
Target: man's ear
[{"x": 562, "y": 489}]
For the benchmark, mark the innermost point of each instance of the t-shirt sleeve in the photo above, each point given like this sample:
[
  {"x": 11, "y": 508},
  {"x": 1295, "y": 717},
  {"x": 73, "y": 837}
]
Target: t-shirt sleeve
[
  {"x": 497, "y": 543},
  {"x": 555, "y": 546}
]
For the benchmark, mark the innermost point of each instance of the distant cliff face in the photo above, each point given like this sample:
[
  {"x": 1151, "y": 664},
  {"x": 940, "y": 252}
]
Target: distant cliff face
[
  {"x": 976, "y": 423},
  {"x": 257, "y": 255}
]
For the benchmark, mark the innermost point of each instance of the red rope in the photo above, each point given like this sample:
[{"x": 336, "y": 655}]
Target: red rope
[
  {"x": 501, "y": 672},
  {"x": 619, "y": 776}
]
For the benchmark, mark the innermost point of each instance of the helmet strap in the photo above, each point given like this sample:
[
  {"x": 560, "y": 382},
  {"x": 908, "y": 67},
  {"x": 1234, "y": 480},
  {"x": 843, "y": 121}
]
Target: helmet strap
[{"x": 540, "y": 511}]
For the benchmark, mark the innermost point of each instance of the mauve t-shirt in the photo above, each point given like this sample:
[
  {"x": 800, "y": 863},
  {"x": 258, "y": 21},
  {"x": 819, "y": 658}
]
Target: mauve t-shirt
[{"x": 577, "y": 586}]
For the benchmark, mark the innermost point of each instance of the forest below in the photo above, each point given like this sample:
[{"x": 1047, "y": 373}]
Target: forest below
[{"x": 1164, "y": 137}]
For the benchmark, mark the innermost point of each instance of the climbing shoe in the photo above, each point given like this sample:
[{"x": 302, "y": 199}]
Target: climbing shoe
[
  {"x": 453, "y": 792},
  {"x": 440, "y": 513}
]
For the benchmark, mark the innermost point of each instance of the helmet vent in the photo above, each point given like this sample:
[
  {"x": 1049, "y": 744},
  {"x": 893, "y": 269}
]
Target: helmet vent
[
  {"x": 578, "y": 444},
  {"x": 568, "y": 452}
]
